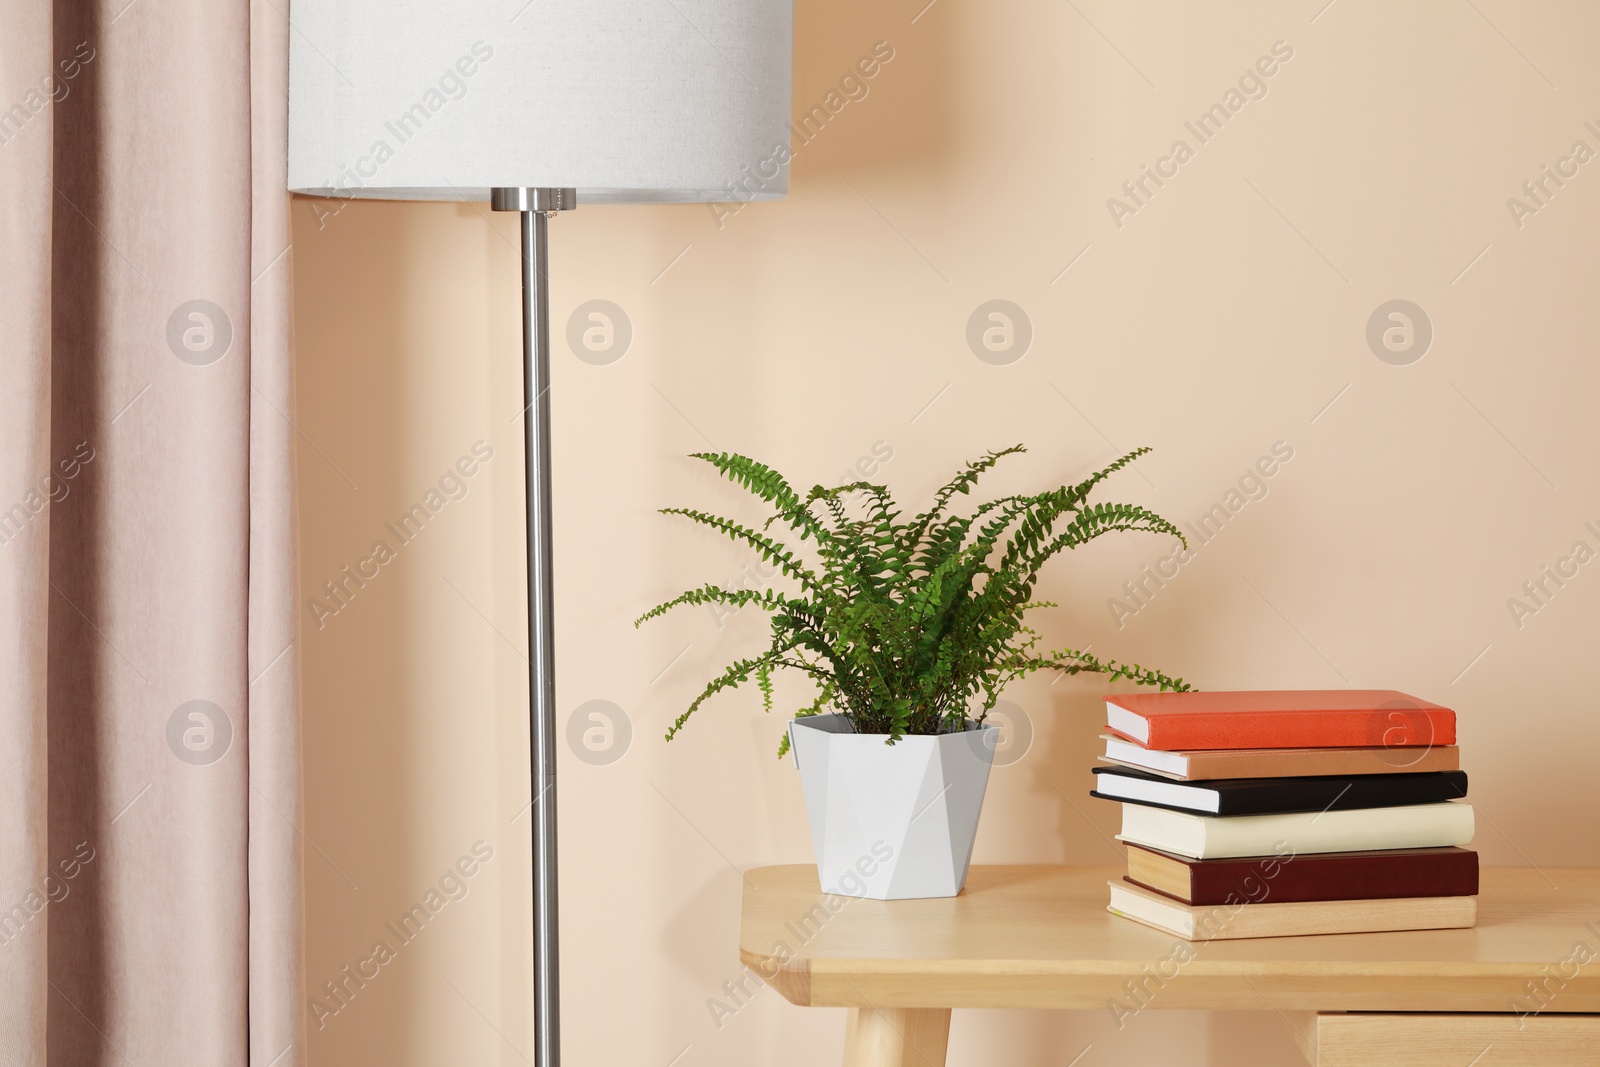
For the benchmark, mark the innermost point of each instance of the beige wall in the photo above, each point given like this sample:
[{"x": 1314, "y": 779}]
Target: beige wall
[{"x": 1224, "y": 316}]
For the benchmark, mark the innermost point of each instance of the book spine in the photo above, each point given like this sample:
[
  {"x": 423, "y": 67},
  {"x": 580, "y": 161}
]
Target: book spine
[
  {"x": 1344, "y": 917},
  {"x": 1362, "y": 830},
  {"x": 1266, "y": 796},
  {"x": 1290, "y": 763},
  {"x": 1403, "y": 728},
  {"x": 1285, "y": 879}
]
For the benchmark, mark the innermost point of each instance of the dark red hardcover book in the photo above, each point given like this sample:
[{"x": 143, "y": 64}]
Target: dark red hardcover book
[{"x": 1278, "y": 879}]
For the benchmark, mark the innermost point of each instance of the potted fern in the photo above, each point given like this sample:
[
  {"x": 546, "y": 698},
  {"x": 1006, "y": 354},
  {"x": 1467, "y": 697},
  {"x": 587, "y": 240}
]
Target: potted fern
[{"x": 910, "y": 628}]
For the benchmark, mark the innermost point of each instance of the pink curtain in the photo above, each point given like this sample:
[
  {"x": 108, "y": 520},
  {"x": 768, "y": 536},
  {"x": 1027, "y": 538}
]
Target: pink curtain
[{"x": 150, "y": 901}]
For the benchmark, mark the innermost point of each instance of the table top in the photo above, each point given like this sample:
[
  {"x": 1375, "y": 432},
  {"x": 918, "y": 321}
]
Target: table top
[{"x": 1040, "y": 936}]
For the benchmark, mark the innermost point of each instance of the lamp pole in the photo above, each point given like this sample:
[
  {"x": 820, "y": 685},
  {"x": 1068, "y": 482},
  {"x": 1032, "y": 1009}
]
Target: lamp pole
[{"x": 538, "y": 206}]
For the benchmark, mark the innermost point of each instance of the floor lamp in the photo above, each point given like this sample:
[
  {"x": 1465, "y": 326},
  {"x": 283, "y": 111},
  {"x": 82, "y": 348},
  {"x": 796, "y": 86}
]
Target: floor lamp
[{"x": 536, "y": 106}]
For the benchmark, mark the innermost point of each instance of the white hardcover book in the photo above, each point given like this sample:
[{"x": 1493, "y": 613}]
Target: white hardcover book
[
  {"x": 1205, "y": 837},
  {"x": 1139, "y": 756}
]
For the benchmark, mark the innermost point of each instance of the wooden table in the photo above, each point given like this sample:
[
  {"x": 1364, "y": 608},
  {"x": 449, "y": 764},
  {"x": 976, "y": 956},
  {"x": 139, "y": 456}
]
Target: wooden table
[{"x": 1040, "y": 937}]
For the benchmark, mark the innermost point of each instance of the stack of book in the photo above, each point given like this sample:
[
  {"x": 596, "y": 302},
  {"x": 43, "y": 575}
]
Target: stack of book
[{"x": 1268, "y": 814}]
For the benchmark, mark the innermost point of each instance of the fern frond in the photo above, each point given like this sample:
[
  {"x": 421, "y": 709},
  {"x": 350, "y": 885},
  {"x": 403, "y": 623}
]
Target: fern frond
[
  {"x": 758, "y": 478},
  {"x": 1069, "y": 661},
  {"x": 764, "y": 681},
  {"x": 770, "y": 550},
  {"x": 732, "y": 676},
  {"x": 768, "y": 599},
  {"x": 961, "y": 483}
]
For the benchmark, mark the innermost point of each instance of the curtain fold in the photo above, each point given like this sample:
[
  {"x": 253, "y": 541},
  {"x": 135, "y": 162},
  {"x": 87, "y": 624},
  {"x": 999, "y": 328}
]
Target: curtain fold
[
  {"x": 150, "y": 901},
  {"x": 25, "y": 54}
]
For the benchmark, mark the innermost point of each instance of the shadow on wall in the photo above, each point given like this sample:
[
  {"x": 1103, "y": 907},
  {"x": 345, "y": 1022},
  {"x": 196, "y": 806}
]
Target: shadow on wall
[
  {"x": 872, "y": 88},
  {"x": 356, "y": 702},
  {"x": 1086, "y": 827}
]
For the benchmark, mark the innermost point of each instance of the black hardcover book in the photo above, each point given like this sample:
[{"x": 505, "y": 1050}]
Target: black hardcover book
[{"x": 1272, "y": 796}]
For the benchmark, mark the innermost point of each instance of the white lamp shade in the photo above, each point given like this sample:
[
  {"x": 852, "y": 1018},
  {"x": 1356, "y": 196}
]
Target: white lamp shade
[{"x": 623, "y": 100}]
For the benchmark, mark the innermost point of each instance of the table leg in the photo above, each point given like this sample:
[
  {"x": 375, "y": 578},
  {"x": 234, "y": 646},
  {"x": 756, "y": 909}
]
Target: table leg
[{"x": 897, "y": 1037}]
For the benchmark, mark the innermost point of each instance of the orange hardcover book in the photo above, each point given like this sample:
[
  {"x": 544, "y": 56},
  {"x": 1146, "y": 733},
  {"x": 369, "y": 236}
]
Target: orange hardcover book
[{"x": 1280, "y": 718}]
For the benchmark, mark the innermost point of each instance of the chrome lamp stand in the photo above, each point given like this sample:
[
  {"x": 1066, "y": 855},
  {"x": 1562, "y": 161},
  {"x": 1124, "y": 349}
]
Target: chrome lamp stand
[{"x": 538, "y": 206}]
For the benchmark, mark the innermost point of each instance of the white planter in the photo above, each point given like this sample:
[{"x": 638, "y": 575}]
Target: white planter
[{"x": 891, "y": 822}]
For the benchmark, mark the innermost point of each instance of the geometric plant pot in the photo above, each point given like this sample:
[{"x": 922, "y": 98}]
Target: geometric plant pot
[{"x": 891, "y": 822}]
